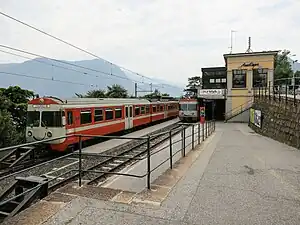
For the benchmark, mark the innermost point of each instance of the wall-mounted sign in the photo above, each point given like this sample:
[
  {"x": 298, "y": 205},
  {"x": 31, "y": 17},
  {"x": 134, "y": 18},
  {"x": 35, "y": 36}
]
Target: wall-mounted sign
[
  {"x": 255, "y": 117},
  {"x": 211, "y": 93},
  {"x": 247, "y": 64}
]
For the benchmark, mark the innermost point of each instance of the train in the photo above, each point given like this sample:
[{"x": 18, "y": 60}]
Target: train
[
  {"x": 189, "y": 110},
  {"x": 52, "y": 117}
]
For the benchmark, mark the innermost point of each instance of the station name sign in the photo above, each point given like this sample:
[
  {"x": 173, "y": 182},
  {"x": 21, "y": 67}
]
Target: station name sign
[
  {"x": 206, "y": 92},
  {"x": 247, "y": 64}
]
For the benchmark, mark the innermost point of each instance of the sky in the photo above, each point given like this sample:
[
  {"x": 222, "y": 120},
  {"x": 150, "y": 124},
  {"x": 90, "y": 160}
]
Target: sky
[{"x": 166, "y": 39}]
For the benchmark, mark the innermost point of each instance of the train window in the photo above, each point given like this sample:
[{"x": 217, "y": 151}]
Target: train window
[
  {"x": 192, "y": 107},
  {"x": 85, "y": 116},
  {"x": 51, "y": 119},
  {"x": 33, "y": 119},
  {"x": 118, "y": 113},
  {"x": 169, "y": 107},
  {"x": 143, "y": 110},
  {"x": 70, "y": 117},
  {"x": 98, "y": 115},
  {"x": 147, "y": 109},
  {"x": 161, "y": 108},
  {"x": 137, "y": 111},
  {"x": 154, "y": 108},
  {"x": 126, "y": 111},
  {"x": 109, "y": 114},
  {"x": 183, "y": 107}
]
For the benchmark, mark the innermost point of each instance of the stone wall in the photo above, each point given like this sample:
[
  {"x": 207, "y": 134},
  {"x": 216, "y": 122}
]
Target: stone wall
[{"x": 280, "y": 120}]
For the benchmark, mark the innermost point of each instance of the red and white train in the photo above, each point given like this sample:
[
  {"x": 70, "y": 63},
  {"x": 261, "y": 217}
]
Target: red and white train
[{"x": 51, "y": 117}]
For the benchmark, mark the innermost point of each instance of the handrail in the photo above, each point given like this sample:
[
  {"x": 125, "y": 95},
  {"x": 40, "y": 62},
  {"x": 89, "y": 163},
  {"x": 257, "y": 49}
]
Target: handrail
[{"x": 239, "y": 107}]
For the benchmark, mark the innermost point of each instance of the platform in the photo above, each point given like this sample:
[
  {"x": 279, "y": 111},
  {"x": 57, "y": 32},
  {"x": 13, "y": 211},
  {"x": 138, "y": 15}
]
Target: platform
[
  {"x": 112, "y": 143},
  {"x": 235, "y": 177}
]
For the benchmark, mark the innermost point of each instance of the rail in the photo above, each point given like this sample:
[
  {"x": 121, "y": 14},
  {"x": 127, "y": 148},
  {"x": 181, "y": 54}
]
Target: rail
[
  {"x": 199, "y": 132},
  {"x": 239, "y": 109},
  {"x": 284, "y": 89}
]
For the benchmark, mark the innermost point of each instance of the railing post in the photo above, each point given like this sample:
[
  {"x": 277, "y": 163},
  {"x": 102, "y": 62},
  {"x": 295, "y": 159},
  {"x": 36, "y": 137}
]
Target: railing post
[
  {"x": 294, "y": 92},
  {"x": 269, "y": 90},
  {"x": 199, "y": 134},
  {"x": 279, "y": 88},
  {"x": 184, "y": 142},
  {"x": 203, "y": 131},
  {"x": 193, "y": 138},
  {"x": 265, "y": 89},
  {"x": 274, "y": 98},
  {"x": 171, "y": 152},
  {"x": 148, "y": 163},
  {"x": 286, "y": 91},
  {"x": 259, "y": 91},
  {"x": 80, "y": 160}
]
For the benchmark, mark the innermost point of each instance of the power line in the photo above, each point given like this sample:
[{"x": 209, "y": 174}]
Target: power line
[
  {"x": 50, "y": 64},
  {"x": 44, "y": 78},
  {"x": 64, "y": 62},
  {"x": 74, "y": 46},
  {"x": 65, "y": 42}
]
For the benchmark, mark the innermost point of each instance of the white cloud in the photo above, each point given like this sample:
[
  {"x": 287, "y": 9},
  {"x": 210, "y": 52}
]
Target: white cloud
[{"x": 169, "y": 39}]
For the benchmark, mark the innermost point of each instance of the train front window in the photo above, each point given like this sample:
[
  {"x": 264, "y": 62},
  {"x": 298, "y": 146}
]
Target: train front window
[
  {"x": 33, "y": 119},
  {"x": 51, "y": 119},
  {"x": 192, "y": 107},
  {"x": 183, "y": 107}
]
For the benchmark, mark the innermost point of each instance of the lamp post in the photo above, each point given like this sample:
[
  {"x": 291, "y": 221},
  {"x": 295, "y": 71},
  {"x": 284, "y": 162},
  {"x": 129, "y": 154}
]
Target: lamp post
[{"x": 294, "y": 82}]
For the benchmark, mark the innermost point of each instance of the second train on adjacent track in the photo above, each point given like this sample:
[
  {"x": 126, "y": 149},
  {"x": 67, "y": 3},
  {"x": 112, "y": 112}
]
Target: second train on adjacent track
[{"x": 51, "y": 117}]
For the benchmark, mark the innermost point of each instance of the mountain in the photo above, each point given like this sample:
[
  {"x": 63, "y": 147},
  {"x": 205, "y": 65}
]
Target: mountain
[
  {"x": 296, "y": 66},
  {"x": 82, "y": 79}
]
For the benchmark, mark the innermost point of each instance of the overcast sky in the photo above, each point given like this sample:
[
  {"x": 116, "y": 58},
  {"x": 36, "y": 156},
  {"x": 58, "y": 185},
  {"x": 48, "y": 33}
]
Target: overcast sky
[{"x": 169, "y": 39}]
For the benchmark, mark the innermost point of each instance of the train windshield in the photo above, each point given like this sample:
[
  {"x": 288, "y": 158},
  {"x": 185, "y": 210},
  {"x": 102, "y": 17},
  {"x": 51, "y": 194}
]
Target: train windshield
[
  {"x": 33, "y": 119},
  {"x": 52, "y": 119},
  {"x": 183, "y": 107},
  {"x": 192, "y": 107}
]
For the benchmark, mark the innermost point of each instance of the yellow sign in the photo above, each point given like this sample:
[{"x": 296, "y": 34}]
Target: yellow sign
[{"x": 252, "y": 115}]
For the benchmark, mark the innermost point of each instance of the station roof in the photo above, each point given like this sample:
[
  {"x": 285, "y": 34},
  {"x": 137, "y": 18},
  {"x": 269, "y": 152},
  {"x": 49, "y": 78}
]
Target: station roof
[{"x": 274, "y": 53}]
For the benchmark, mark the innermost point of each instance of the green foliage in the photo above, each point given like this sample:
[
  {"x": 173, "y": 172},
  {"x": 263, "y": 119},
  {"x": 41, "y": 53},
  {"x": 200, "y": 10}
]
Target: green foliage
[
  {"x": 114, "y": 91},
  {"x": 283, "y": 68},
  {"x": 13, "y": 110},
  {"x": 194, "y": 82}
]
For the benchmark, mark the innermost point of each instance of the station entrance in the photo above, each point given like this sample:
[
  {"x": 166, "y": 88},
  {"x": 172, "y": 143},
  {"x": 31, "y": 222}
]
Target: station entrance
[{"x": 214, "y": 108}]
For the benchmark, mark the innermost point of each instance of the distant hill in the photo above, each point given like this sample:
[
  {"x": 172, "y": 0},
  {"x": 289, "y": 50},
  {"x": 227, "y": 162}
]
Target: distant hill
[{"x": 92, "y": 79}]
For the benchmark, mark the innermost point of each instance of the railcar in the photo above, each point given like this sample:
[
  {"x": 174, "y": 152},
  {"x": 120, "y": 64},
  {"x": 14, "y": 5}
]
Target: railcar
[
  {"x": 188, "y": 110},
  {"x": 51, "y": 117}
]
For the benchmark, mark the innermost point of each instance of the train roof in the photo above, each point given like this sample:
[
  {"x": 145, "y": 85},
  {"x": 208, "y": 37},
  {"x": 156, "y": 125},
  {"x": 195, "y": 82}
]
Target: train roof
[{"x": 85, "y": 101}]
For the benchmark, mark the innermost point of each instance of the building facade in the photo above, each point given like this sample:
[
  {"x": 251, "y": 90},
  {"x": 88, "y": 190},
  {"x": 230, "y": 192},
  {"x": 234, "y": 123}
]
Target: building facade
[{"x": 245, "y": 71}]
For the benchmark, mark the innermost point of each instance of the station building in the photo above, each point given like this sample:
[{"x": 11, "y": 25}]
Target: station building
[{"x": 227, "y": 92}]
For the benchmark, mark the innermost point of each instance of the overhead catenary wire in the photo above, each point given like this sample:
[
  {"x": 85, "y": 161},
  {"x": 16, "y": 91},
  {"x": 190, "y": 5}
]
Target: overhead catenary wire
[
  {"x": 76, "y": 47},
  {"x": 45, "y": 78}
]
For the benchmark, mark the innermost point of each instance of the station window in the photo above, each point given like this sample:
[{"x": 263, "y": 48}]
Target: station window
[
  {"x": 70, "y": 117},
  {"x": 118, "y": 113},
  {"x": 223, "y": 80},
  {"x": 218, "y": 80},
  {"x": 260, "y": 77},
  {"x": 147, "y": 109},
  {"x": 154, "y": 108},
  {"x": 85, "y": 116},
  {"x": 143, "y": 110},
  {"x": 239, "y": 78},
  {"x": 109, "y": 114},
  {"x": 98, "y": 115},
  {"x": 137, "y": 111},
  {"x": 211, "y": 81}
]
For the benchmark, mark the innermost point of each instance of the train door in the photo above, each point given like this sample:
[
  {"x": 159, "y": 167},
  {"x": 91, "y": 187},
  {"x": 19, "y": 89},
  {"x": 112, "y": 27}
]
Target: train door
[{"x": 128, "y": 116}]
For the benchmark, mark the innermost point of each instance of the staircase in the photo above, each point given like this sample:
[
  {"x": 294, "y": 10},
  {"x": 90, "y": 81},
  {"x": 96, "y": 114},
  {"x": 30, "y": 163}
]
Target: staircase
[
  {"x": 238, "y": 110},
  {"x": 22, "y": 193}
]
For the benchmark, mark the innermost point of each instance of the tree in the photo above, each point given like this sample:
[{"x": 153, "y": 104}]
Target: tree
[
  {"x": 194, "y": 82},
  {"x": 297, "y": 74},
  {"x": 116, "y": 91},
  {"x": 95, "y": 94},
  {"x": 283, "y": 68}
]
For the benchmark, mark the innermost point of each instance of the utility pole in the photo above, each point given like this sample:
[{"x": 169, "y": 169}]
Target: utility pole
[
  {"x": 249, "y": 50},
  {"x": 231, "y": 37},
  {"x": 135, "y": 90}
]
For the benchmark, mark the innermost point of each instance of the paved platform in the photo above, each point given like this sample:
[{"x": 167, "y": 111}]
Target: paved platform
[
  {"x": 104, "y": 146},
  {"x": 235, "y": 177}
]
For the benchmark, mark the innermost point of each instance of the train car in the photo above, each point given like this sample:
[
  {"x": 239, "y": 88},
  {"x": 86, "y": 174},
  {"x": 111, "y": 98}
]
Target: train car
[
  {"x": 188, "y": 110},
  {"x": 51, "y": 117}
]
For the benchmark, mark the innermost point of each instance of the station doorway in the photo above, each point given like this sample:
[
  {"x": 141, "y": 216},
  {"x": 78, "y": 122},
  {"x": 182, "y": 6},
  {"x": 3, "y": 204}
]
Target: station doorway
[{"x": 214, "y": 109}]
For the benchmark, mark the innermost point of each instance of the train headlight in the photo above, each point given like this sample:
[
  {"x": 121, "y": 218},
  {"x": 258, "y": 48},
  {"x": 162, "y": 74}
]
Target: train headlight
[
  {"x": 49, "y": 134},
  {"x": 29, "y": 133}
]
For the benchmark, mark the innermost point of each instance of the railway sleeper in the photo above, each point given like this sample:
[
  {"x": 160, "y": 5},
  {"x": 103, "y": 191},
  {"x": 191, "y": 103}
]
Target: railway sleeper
[{"x": 33, "y": 187}]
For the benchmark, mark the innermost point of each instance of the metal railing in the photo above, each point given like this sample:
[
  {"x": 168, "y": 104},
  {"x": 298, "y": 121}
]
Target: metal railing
[
  {"x": 279, "y": 90},
  {"x": 199, "y": 132},
  {"x": 239, "y": 109}
]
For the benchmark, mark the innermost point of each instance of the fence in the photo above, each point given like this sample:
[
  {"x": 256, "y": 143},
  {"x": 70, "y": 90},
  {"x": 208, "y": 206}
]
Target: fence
[
  {"x": 284, "y": 89},
  {"x": 199, "y": 132}
]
